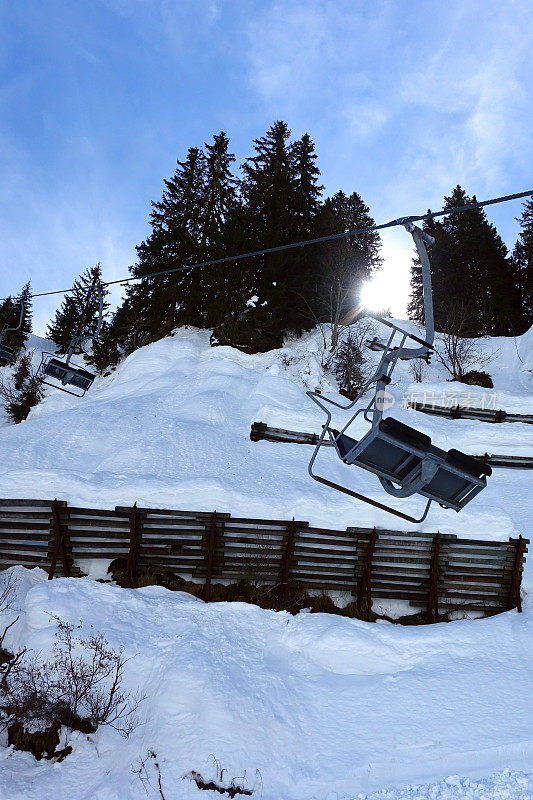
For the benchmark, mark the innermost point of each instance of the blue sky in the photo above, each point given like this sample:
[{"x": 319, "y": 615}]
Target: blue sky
[{"x": 98, "y": 99}]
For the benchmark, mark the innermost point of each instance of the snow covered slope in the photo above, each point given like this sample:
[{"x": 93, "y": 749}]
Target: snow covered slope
[
  {"x": 294, "y": 708},
  {"x": 171, "y": 428},
  {"x": 311, "y": 706}
]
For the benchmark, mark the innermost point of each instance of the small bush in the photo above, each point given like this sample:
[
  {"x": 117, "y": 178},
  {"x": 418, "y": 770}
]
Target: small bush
[
  {"x": 477, "y": 378},
  {"x": 347, "y": 365},
  {"x": 252, "y": 331},
  {"x": 147, "y": 575}
]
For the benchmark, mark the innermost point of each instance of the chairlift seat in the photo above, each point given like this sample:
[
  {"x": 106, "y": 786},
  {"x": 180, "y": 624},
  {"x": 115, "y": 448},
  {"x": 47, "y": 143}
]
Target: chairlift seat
[
  {"x": 6, "y": 353},
  {"x": 459, "y": 478},
  {"x": 68, "y": 374},
  {"x": 403, "y": 456},
  {"x": 392, "y": 450}
]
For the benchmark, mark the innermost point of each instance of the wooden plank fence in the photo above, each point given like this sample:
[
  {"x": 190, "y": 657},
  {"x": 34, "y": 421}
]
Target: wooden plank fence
[
  {"x": 464, "y": 412},
  {"x": 433, "y": 571}
]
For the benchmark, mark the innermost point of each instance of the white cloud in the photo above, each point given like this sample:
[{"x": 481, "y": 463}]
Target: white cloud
[
  {"x": 310, "y": 58},
  {"x": 440, "y": 88},
  {"x": 365, "y": 119},
  {"x": 169, "y": 22},
  {"x": 49, "y": 235},
  {"x": 474, "y": 95}
]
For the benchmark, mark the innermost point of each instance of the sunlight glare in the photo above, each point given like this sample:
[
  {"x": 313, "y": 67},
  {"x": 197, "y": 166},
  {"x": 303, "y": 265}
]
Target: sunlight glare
[{"x": 388, "y": 289}]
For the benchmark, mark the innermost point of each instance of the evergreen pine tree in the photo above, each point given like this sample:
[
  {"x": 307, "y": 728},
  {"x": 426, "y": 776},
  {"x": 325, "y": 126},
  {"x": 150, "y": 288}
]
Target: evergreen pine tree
[
  {"x": 268, "y": 191},
  {"x": 280, "y": 194},
  {"x": 219, "y": 193},
  {"x": 23, "y": 392},
  {"x": 27, "y": 315},
  {"x": 347, "y": 366},
  {"x": 265, "y": 213},
  {"x": 470, "y": 264},
  {"x": 78, "y": 313},
  {"x": 115, "y": 336},
  {"x": 219, "y": 205},
  {"x": 160, "y": 304},
  {"x": 522, "y": 262},
  {"x": 307, "y": 191},
  {"x": 205, "y": 213},
  {"x": 188, "y": 225},
  {"x": 344, "y": 264},
  {"x": 10, "y": 318}
]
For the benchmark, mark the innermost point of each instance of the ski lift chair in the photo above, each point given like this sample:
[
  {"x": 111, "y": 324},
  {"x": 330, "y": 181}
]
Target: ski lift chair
[
  {"x": 67, "y": 373},
  {"x": 404, "y": 459},
  {"x": 65, "y": 370},
  {"x": 7, "y": 353}
]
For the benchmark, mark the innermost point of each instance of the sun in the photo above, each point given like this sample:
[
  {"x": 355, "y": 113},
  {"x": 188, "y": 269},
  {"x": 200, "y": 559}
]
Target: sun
[
  {"x": 387, "y": 290},
  {"x": 372, "y": 295}
]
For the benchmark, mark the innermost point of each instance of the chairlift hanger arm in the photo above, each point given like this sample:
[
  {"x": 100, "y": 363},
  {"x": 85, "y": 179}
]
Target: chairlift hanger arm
[
  {"x": 82, "y": 338},
  {"x": 17, "y": 327},
  {"x": 389, "y": 324},
  {"x": 421, "y": 239}
]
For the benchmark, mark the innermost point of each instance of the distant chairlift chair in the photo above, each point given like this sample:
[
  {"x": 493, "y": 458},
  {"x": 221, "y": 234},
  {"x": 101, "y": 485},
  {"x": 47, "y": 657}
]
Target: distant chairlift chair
[
  {"x": 7, "y": 353},
  {"x": 64, "y": 369},
  {"x": 404, "y": 460}
]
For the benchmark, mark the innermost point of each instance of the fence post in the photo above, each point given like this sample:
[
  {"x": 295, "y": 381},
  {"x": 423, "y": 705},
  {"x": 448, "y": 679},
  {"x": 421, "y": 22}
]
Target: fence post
[
  {"x": 130, "y": 573},
  {"x": 210, "y": 555},
  {"x": 514, "y": 599},
  {"x": 257, "y": 430},
  {"x": 364, "y": 593},
  {"x": 288, "y": 551},
  {"x": 62, "y": 543},
  {"x": 433, "y": 594}
]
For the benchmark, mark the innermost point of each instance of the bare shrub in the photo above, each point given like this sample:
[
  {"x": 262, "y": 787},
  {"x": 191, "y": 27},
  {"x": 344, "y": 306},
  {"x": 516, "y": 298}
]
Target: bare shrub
[
  {"x": 8, "y": 660},
  {"x": 417, "y": 370},
  {"x": 148, "y": 770},
  {"x": 237, "y": 786},
  {"x": 458, "y": 352},
  {"x": 256, "y": 569},
  {"x": 7, "y": 593},
  {"x": 79, "y": 687},
  {"x": 143, "y": 772}
]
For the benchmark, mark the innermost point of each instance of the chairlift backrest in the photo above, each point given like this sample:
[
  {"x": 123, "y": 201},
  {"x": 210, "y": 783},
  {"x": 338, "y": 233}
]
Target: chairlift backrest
[{"x": 67, "y": 374}]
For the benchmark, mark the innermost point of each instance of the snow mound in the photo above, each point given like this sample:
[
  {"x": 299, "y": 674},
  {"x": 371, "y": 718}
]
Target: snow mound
[{"x": 311, "y": 706}]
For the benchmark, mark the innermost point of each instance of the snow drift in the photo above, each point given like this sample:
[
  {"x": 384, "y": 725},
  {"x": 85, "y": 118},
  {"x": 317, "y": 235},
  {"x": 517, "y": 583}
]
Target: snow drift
[{"x": 311, "y": 706}]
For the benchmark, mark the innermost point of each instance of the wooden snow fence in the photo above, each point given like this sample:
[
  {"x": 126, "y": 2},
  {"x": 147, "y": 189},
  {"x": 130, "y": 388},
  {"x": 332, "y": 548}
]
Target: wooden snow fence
[
  {"x": 432, "y": 571},
  {"x": 464, "y": 412}
]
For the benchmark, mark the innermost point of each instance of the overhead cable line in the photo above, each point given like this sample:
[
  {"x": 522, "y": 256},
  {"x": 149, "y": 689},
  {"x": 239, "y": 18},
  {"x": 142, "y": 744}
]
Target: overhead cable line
[{"x": 305, "y": 242}]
